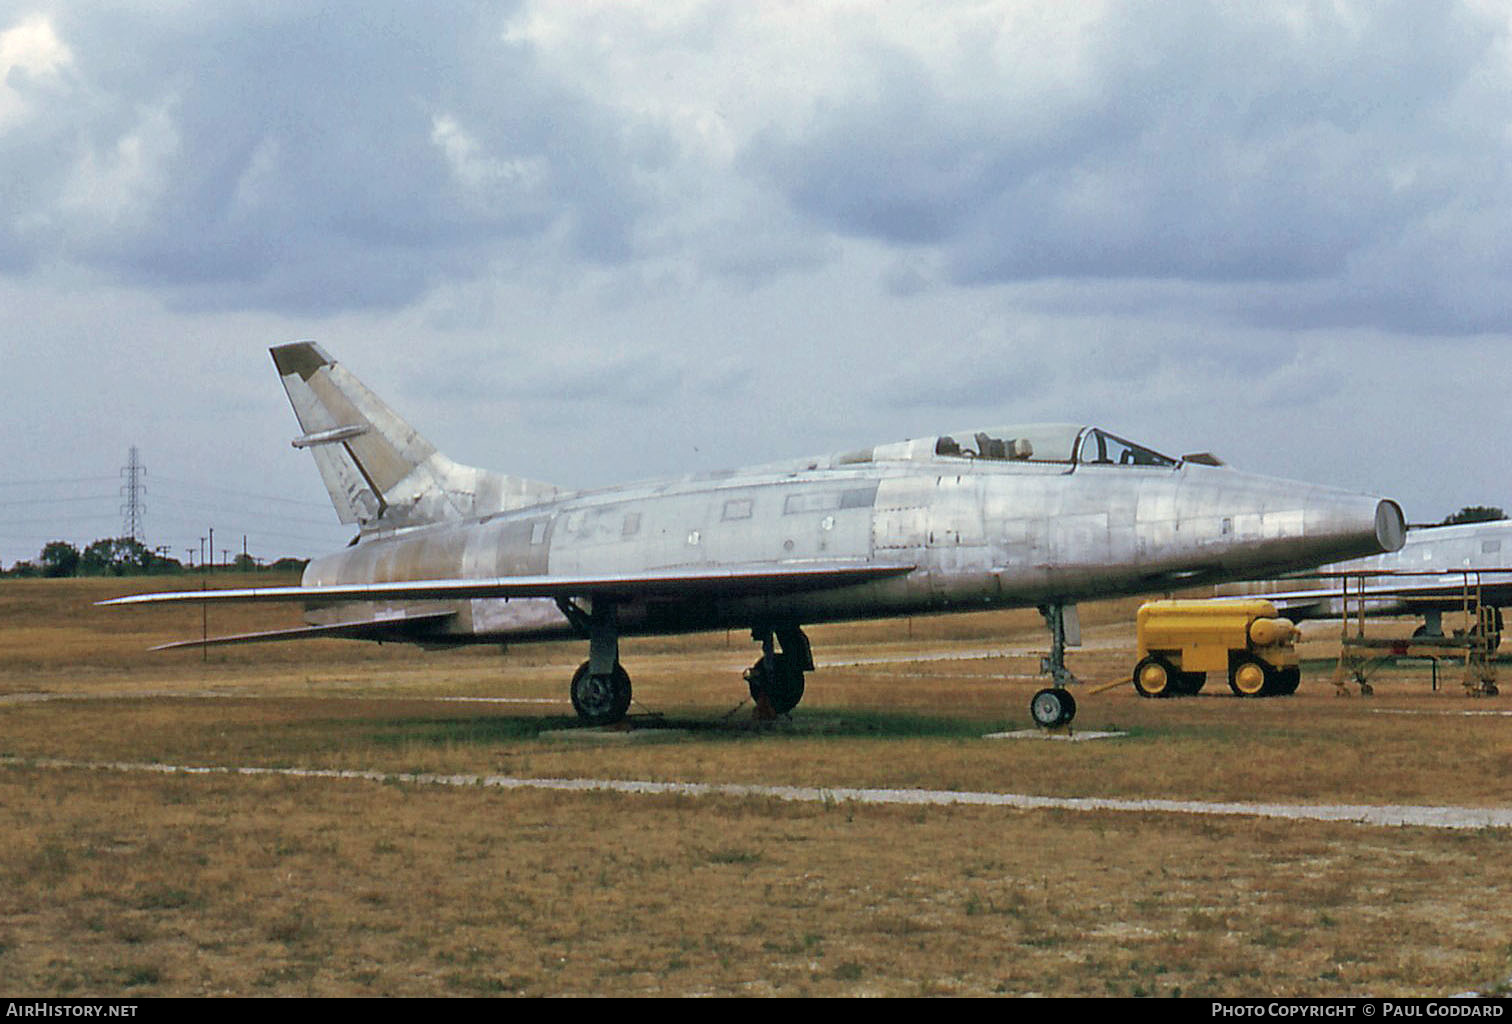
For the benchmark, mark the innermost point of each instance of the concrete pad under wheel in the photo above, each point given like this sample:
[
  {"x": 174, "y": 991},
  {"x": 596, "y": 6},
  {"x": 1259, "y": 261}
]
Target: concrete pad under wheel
[{"x": 1052, "y": 734}]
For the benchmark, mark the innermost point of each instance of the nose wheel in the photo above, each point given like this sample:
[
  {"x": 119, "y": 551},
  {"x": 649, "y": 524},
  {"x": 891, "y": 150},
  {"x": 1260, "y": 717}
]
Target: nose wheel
[{"x": 1052, "y": 707}]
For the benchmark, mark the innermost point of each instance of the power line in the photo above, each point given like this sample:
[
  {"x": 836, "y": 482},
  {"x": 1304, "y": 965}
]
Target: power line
[
  {"x": 256, "y": 531},
  {"x": 56, "y": 501},
  {"x": 82, "y": 516},
  {"x": 271, "y": 522},
  {"x": 178, "y": 501},
  {"x": 58, "y": 480},
  {"x": 243, "y": 494}
]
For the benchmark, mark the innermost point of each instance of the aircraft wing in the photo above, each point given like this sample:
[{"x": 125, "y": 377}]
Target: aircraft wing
[
  {"x": 659, "y": 583},
  {"x": 1313, "y": 602}
]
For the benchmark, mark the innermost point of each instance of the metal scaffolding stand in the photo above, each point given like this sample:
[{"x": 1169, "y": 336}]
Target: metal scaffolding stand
[{"x": 1474, "y": 648}]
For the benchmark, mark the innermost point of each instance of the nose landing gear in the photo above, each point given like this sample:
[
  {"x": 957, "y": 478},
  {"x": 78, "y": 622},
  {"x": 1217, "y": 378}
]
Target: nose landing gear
[{"x": 1054, "y": 706}]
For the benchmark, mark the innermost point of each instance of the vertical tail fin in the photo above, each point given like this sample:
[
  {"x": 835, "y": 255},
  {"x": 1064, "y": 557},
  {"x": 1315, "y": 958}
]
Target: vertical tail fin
[{"x": 379, "y": 471}]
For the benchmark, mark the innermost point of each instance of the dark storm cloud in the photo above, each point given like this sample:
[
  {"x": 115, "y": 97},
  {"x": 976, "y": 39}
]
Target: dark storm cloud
[
  {"x": 308, "y": 160},
  {"x": 1355, "y": 163},
  {"x": 1291, "y": 166}
]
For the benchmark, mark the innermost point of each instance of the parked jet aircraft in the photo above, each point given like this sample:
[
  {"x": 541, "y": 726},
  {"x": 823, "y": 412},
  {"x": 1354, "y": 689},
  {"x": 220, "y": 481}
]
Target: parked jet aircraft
[
  {"x": 1436, "y": 564},
  {"x": 1042, "y": 515}
]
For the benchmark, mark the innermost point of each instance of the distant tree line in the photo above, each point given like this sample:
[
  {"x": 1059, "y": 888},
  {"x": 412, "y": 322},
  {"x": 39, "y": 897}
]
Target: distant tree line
[
  {"x": 1474, "y": 514},
  {"x": 126, "y": 556}
]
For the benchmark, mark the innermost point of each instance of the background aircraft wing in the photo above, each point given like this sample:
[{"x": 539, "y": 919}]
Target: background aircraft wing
[
  {"x": 1322, "y": 596},
  {"x": 660, "y": 583}
]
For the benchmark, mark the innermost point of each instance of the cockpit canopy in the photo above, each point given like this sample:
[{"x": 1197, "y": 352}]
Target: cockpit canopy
[
  {"x": 1063, "y": 443},
  {"x": 1041, "y": 442}
]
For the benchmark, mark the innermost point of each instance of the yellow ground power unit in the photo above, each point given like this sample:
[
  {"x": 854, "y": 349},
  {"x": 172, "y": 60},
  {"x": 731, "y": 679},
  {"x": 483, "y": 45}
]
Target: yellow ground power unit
[{"x": 1180, "y": 642}]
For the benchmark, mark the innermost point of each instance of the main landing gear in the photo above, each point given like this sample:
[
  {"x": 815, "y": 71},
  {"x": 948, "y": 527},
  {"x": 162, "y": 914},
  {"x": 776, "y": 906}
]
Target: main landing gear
[
  {"x": 776, "y": 680},
  {"x": 600, "y": 687},
  {"x": 601, "y": 692}
]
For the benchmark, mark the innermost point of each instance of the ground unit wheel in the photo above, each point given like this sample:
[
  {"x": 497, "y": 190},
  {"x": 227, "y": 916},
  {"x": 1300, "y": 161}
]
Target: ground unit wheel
[
  {"x": 601, "y": 699},
  {"x": 783, "y": 686},
  {"x": 1052, "y": 706},
  {"x": 1250, "y": 677},
  {"x": 1154, "y": 677}
]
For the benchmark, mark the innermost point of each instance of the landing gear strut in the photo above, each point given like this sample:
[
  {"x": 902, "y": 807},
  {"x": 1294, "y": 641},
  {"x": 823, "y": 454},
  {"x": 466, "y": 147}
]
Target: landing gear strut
[
  {"x": 776, "y": 680},
  {"x": 1065, "y": 630}
]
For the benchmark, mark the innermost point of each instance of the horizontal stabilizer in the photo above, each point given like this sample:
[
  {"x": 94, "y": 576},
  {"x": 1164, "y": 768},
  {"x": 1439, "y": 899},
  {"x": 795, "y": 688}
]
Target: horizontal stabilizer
[
  {"x": 366, "y": 629},
  {"x": 665, "y": 583}
]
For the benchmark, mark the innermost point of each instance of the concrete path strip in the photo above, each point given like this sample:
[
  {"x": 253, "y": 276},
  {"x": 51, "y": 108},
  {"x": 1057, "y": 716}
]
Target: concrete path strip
[{"x": 1384, "y": 815}]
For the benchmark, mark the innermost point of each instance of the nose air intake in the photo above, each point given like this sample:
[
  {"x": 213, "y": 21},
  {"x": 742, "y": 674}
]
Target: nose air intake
[
  {"x": 1390, "y": 526},
  {"x": 1344, "y": 525}
]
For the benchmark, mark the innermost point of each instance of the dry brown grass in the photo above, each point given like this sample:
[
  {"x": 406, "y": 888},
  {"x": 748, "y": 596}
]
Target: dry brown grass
[{"x": 119, "y": 883}]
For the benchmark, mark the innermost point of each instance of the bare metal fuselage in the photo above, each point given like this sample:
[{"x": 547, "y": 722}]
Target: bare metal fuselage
[{"x": 977, "y": 533}]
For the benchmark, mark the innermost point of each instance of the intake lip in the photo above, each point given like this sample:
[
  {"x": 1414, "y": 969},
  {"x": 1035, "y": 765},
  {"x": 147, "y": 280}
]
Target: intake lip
[{"x": 1390, "y": 525}]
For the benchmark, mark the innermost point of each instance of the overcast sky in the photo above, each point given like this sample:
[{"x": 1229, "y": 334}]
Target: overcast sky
[{"x": 589, "y": 242}]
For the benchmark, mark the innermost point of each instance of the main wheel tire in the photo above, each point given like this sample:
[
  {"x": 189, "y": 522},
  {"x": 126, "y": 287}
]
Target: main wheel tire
[
  {"x": 1287, "y": 681},
  {"x": 783, "y": 688},
  {"x": 1052, "y": 706},
  {"x": 600, "y": 700},
  {"x": 1154, "y": 677},
  {"x": 1250, "y": 677}
]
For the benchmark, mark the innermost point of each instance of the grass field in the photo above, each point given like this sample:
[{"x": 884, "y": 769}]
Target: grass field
[{"x": 134, "y": 882}]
